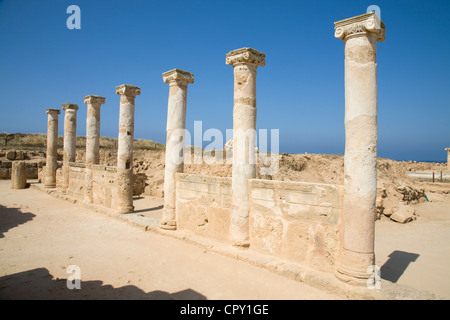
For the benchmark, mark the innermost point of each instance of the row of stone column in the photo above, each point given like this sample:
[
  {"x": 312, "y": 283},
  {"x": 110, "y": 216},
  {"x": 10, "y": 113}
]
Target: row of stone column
[
  {"x": 125, "y": 144},
  {"x": 360, "y": 35}
]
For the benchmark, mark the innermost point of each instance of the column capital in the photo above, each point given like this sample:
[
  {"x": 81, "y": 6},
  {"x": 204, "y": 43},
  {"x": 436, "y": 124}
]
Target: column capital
[
  {"x": 245, "y": 56},
  {"x": 70, "y": 106},
  {"x": 365, "y": 24},
  {"x": 94, "y": 99},
  {"x": 128, "y": 90},
  {"x": 448, "y": 149},
  {"x": 53, "y": 111},
  {"x": 177, "y": 75}
]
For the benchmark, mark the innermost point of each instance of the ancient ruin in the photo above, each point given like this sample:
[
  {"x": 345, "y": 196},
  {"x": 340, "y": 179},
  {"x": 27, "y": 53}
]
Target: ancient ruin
[
  {"x": 245, "y": 61},
  {"x": 448, "y": 158},
  {"x": 19, "y": 174},
  {"x": 52, "y": 146},
  {"x": 70, "y": 139},
  {"x": 127, "y": 94},
  {"x": 178, "y": 81},
  {"x": 329, "y": 227},
  {"x": 360, "y": 35}
]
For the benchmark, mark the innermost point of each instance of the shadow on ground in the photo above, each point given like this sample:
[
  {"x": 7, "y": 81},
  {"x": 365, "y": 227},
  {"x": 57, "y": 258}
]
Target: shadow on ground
[
  {"x": 11, "y": 218},
  {"x": 396, "y": 265},
  {"x": 39, "y": 284}
]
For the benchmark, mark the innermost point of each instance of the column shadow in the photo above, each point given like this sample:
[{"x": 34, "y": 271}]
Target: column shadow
[
  {"x": 11, "y": 218},
  {"x": 39, "y": 284},
  {"x": 396, "y": 265},
  {"x": 149, "y": 209}
]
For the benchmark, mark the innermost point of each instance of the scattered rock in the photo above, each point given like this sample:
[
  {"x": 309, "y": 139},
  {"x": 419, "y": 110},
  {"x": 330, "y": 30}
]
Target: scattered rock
[{"x": 404, "y": 214}]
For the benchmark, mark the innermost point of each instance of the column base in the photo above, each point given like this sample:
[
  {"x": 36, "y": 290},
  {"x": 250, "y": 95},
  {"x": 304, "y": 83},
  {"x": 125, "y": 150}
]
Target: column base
[
  {"x": 50, "y": 186},
  {"x": 353, "y": 267},
  {"x": 168, "y": 225},
  {"x": 241, "y": 244},
  {"x": 124, "y": 210}
]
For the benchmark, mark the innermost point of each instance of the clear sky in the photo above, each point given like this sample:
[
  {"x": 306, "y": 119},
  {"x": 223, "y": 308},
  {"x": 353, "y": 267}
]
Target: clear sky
[{"x": 300, "y": 91}]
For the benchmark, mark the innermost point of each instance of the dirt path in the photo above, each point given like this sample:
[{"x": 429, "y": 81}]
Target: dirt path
[{"x": 40, "y": 236}]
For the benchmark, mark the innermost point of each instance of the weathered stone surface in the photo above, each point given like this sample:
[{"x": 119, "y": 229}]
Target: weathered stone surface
[
  {"x": 70, "y": 139},
  {"x": 360, "y": 35},
  {"x": 52, "y": 145},
  {"x": 176, "y": 123},
  {"x": 448, "y": 158},
  {"x": 124, "y": 178},
  {"x": 11, "y": 155},
  {"x": 5, "y": 173},
  {"x": 6, "y": 164},
  {"x": 93, "y": 128},
  {"x": 19, "y": 174},
  {"x": 404, "y": 214},
  {"x": 20, "y": 155},
  {"x": 245, "y": 62}
]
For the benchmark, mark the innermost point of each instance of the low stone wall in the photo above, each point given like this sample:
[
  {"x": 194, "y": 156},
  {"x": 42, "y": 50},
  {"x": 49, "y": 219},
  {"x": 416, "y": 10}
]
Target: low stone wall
[
  {"x": 103, "y": 183},
  {"x": 294, "y": 221},
  {"x": 103, "y": 187},
  {"x": 203, "y": 205},
  {"x": 77, "y": 173}
]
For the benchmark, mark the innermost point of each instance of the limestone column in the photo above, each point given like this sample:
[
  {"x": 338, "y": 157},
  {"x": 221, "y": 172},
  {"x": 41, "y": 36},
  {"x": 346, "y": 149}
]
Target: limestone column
[
  {"x": 448, "y": 158},
  {"x": 245, "y": 62},
  {"x": 70, "y": 140},
  {"x": 52, "y": 148},
  {"x": 360, "y": 35},
  {"x": 93, "y": 128},
  {"x": 19, "y": 175},
  {"x": 124, "y": 182},
  {"x": 92, "y": 141},
  {"x": 178, "y": 81}
]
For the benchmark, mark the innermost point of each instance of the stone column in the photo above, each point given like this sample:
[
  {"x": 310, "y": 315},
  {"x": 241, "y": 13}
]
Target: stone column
[
  {"x": 360, "y": 35},
  {"x": 93, "y": 128},
  {"x": 245, "y": 62},
  {"x": 125, "y": 147},
  {"x": 70, "y": 140},
  {"x": 52, "y": 148},
  {"x": 19, "y": 175},
  {"x": 92, "y": 141},
  {"x": 176, "y": 124},
  {"x": 448, "y": 158}
]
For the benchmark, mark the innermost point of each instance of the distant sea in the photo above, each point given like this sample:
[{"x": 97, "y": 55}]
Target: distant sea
[{"x": 429, "y": 161}]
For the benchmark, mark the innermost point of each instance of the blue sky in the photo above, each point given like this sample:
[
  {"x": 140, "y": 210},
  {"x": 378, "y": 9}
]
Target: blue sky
[{"x": 300, "y": 91}]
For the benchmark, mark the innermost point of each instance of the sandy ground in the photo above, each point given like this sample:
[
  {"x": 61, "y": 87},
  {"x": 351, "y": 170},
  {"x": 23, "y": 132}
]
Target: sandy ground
[
  {"x": 40, "y": 236},
  {"x": 417, "y": 254}
]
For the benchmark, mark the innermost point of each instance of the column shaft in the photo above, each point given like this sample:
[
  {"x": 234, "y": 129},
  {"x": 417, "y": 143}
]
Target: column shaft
[
  {"x": 245, "y": 62},
  {"x": 52, "y": 148},
  {"x": 360, "y": 159},
  {"x": 93, "y": 103},
  {"x": 176, "y": 124},
  {"x": 125, "y": 148},
  {"x": 19, "y": 175},
  {"x": 70, "y": 141}
]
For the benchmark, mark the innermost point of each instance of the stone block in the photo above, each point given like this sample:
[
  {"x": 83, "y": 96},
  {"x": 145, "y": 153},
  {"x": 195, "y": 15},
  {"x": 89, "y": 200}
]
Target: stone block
[
  {"x": 404, "y": 214},
  {"x": 6, "y": 164},
  {"x": 11, "y": 155},
  {"x": 5, "y": 173}
]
